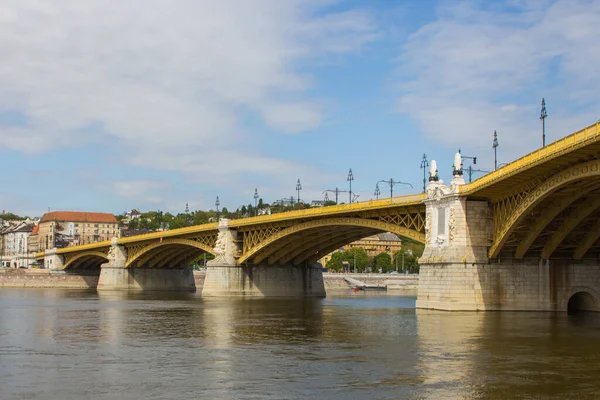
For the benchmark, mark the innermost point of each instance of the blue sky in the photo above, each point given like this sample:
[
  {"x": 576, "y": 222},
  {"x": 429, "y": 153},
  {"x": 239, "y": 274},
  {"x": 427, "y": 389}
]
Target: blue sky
[{"x": 107, "y": 106}]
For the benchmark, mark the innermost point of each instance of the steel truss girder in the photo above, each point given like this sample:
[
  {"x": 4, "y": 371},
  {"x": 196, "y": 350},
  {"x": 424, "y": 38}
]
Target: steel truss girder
[
  {"x": 510, "y": 212},
  {"x": 321, "y": 253},
  {"x": 167, "y": 242},
  {"x": 546, "y": 217},
  {"x": 76, "y": 260},
  {"x": 337, "y": 242},
  {"x": 569, "y": 224},
  {"x": 325, "y": 223},
  {"x": 304, "y": 247},
  {"x": 588, "y": 241}
]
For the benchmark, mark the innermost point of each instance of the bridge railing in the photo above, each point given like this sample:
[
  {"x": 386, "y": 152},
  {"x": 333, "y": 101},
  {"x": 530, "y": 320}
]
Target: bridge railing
[{"x": 561, "y": 146}]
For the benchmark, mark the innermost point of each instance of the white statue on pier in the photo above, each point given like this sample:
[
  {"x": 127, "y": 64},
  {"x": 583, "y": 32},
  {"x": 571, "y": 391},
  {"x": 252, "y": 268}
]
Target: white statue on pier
[
  {"x": 457, "y": 170},
  {"x": 433, "y": 172},
  {"x": 225, "y": 246}
]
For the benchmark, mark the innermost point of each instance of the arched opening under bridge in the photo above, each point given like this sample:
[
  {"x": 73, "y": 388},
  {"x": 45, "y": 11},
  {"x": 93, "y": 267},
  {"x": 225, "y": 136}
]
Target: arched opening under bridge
[{"x": 581, "y": 302}]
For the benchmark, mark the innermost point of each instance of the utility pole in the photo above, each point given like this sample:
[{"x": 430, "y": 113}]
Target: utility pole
[
  {"x": 337, "y": 193},
  {"x": 424, "y": 165},
  {"x": 350, "y": 179},
  {"x": 543, "y": 116},
  {"x": 470, "y": 171},
  {"x": 495, "y": 146},
  {"x": 392, "y": 182}
]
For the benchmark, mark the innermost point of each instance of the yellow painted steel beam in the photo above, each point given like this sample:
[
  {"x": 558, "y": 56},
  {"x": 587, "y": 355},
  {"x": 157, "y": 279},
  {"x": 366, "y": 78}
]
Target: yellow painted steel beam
[
  {"x": 563, "y": 178},
  {"x": 580, "y": 139},
  {"x": 588, "y": 241},
  {"x": 170, "y": 242},
  {"x": 291, "y": 251},
  {"x": 358, "y": 222},
  {"x": 570, "y": 223},
  {"x": 318, "y": 248},
  {"x": 546, "y": 217},
  {"x": 173, "y": 262},
  {"x": 323, "y": 252},
  {"x": 286, "y": 243},
  {"x": 163, "y": 258},
  {"x": 73, "y": 262}
]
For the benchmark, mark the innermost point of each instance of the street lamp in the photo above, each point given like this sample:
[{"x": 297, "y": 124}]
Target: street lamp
[
  {"x": 326, "y": 199},
  {"x": 350, "y": 179},
  {"x": 217, "y": 204},
  {"x": 470, "y": 169},
  {"x": 543, "y": 116},
  {"x": 392, "y": 182},
  {"x": 377, "y": 191},
  {"x": 424, "y": 165},
  {"x": 298, "y": 189},
  {"x": 256, "y": 201},
  {"x": 495, "y": 146}
]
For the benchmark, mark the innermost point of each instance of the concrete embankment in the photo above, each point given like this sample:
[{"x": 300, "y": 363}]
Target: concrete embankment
[
  {"x": 393, "y": 282},
  {"x": 43, "y": 278}
]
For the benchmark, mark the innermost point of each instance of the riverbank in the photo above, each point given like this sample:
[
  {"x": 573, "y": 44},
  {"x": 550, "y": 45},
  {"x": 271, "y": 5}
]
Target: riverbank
[{"x": 43, "y": 278}]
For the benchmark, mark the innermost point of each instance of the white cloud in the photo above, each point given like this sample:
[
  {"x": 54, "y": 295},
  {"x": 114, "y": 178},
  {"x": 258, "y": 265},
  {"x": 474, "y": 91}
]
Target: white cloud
[
  {"x": 479, "y": 67},
  {"x": 136, "y": 188},
  {"x": 166, "y": 77}
]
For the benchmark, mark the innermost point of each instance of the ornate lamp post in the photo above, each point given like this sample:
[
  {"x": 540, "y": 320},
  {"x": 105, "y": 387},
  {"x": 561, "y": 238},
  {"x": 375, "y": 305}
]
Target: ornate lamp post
[
  {"x": 298, "y": 189},
  {"x": 350, "y": 179},
  {"x": 377, "y": 191},
  {"x": 256, "y": 201},
  {"x": 543, "y": 116},
  {"x": 495, "y": 146},
  {"x": 217, "y": 204},
  {"x": 424, "y": 165},
  {"x": 392, "y": 182}
]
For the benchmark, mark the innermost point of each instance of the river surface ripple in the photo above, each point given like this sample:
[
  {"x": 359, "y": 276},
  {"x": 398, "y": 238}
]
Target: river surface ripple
[{"x": 57, "y": 344}]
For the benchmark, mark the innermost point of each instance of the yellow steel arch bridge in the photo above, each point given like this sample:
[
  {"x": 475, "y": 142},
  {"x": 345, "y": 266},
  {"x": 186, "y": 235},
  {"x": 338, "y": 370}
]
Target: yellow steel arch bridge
[{"x": 545, "y": 204}]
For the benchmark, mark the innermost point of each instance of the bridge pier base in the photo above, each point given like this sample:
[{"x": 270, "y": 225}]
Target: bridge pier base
[
  {"x": 264, "y": 281},
  {"x": 146, "y": 279},
  {"x": 510, "y": 285},
  {"x": 114, "y": 275}
]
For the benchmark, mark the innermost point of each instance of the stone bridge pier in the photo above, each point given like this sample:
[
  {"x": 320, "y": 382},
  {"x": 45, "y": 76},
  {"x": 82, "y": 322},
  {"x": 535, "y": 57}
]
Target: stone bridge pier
[
  {"x": 456, "y": 273},
  {"x": 225, "y": 277},
  {"x": 114, "y": 275}
]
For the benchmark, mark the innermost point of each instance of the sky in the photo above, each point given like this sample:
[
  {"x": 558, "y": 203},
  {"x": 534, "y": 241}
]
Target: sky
[{"x": 111, "y": 105}]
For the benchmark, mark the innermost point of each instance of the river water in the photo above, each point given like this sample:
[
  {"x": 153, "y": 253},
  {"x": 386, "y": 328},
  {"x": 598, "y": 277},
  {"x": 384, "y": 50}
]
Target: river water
[{"x": 57, "y": 344}]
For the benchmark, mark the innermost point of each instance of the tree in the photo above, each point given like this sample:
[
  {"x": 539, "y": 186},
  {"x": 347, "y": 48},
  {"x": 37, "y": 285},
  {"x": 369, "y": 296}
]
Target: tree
[
  {"x": 411, "y": 263},
  {"x": 336, "y": 261},
  {"x": 10, "y": 217},
  {"x": 362, "y": 258},
  {"x": 383, "y": 261}
]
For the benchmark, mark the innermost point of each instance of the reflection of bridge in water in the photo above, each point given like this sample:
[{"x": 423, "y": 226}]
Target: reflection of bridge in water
[{"x": 522, "y": 237}]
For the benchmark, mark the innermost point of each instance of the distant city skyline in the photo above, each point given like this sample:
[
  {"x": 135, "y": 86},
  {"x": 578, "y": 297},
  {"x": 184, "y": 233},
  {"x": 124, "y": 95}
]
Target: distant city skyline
[{"x": 111, "y": 107}]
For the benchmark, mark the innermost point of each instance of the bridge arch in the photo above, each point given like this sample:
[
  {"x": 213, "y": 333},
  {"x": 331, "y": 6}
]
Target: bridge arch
[
  {"x": 167, "y": 251},
  {"x": 86, "y": 259},
  {"x": 280, "y": 246},
  {"x": 532, "y": 200}
]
